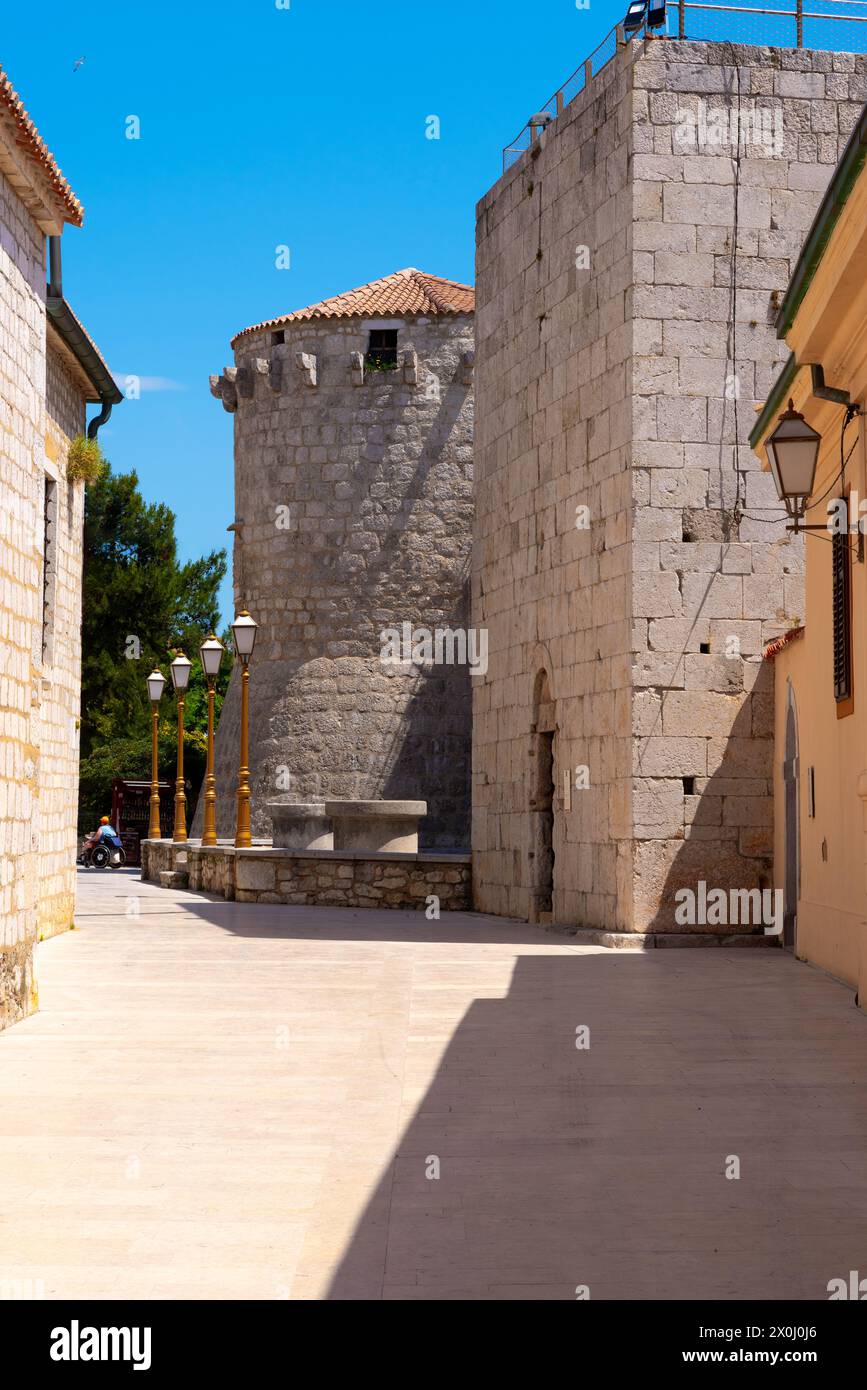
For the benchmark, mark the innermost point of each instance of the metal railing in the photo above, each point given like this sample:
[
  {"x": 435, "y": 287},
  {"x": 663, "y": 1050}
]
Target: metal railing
[{"x": 776, "y": 23}]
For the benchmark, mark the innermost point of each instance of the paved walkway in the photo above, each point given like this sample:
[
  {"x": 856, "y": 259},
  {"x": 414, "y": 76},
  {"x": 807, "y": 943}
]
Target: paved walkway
[{"x": 222, "y": 1101}]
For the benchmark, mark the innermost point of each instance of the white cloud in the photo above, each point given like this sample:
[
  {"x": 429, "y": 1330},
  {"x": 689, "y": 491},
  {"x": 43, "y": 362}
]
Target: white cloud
[{"x": 128, "y": 380}]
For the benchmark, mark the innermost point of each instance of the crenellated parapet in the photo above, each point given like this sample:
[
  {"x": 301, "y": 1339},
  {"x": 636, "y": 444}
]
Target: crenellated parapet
[
  {"x": 224, "y": 390},
  {"x": 285, "y": 371}
]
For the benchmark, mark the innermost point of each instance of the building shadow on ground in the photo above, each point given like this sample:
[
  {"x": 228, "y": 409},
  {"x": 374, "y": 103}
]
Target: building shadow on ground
[
  {"x": 532, "y": 1168},
  {"x": 338, "y": 923},
  {"x": 535, "y": 1168},
  {"x": 605, "y": 1168}
]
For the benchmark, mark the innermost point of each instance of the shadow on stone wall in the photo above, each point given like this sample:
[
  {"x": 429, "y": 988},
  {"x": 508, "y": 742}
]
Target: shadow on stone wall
[
  {"x": 420, "y": 755},
  {"x": 431, "y": 763},
  {"x": 385, "y": 572},
  {"x": 729, "y": 827},
  {"x": 325, "y": 726}
]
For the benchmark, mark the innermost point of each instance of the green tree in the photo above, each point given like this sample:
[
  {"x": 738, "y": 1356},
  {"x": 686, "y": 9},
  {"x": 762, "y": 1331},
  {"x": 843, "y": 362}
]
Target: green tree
[{"x": 140, "y": 606}]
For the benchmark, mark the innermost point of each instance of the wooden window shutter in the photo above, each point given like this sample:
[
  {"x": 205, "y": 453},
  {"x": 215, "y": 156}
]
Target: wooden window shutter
[{"x": 841, "y": 580}]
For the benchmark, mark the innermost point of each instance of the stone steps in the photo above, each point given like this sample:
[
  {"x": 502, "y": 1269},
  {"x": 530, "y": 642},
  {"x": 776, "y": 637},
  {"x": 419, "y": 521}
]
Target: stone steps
[{"x": 174, "y": 878}]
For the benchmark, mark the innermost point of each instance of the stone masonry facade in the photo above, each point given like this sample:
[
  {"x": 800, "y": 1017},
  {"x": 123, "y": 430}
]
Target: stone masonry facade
[
  {"x": 623, "y": 736},
  {"x": 41, "y": 410},
  {"x": 353, "y": 496},
  {"x": 60, "y": 703},
  {"x": 402, "y": 882}
]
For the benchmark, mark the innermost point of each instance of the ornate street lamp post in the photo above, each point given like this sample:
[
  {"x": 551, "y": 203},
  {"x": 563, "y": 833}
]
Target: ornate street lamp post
[
  {"x": 156, "y": 684},
  {"x": 244, "y": 632},
  {"x": 180, "y": 669},
  {"x": 211, "y": 653},
  {"x": 792, "y": 451}
]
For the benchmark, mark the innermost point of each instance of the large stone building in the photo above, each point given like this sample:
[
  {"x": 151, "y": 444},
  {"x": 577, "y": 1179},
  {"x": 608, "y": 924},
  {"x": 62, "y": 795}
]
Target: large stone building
[
  {"x": 49, "y": 369},
  {"x": 353, "y": 496},
  {"x": 630, "y": 562}
]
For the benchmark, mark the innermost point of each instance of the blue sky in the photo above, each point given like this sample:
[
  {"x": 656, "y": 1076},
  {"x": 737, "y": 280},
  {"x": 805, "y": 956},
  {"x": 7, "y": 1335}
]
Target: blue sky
[{"x": 263, "y": 126}]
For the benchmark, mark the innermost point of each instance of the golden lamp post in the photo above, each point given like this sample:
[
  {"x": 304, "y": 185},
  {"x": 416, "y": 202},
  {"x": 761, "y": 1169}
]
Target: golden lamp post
[
  {"x": 244, "y": 632},
  {"x": 211, "y": 653},
  {"x": 156, "y": 685},
  {"x": 180, "y": 669}
]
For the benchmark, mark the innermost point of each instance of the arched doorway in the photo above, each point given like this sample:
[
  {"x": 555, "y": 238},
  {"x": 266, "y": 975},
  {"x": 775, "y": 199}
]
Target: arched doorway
[
  {"x": 543, "y": 753},
  {"x": 791, "y": 867}
]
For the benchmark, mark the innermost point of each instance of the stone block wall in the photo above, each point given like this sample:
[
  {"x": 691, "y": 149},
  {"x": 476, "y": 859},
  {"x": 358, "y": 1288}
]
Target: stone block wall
[
  {"x": 40, "y": 617},
  {"x": 553, "y": 432},
  {"x": 630, "y": 387},
  {"x": 316, "y": 878},
  {"x": 22, "y": 387},
  {"x": 715, "y": 574},
  {"x": 354, "y": 514},
  {"x": 60, "y": 702}
]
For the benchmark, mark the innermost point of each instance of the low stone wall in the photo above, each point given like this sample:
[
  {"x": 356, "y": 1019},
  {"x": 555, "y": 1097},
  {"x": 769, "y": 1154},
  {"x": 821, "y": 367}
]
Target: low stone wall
[
  {"x": 310, "y": 878},
  {"x": 156, "y": 855}
]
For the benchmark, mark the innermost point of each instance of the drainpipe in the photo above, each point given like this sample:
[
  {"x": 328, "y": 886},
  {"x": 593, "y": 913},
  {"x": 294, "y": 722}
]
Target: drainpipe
[
  {"x": 100, "y": 419},
  {"x": 77, "y": 341},
  {"x": 55, "y": 268}
]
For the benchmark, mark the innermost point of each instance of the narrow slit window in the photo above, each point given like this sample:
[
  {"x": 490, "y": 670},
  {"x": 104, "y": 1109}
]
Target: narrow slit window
[
  {"x": 841, "y": 601},
  {"x": 381, "y": 349},
  {"x": 49, "y": 567}
]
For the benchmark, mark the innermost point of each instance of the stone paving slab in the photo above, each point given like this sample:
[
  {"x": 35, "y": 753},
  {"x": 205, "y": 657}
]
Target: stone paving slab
[{"x": 221, "y": 1100}]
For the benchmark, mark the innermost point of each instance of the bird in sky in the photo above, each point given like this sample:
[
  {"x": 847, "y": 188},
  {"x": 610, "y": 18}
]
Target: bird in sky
[{"x": 77, "y": 64}]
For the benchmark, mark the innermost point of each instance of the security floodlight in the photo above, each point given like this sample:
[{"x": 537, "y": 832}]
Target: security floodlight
[
  {"x": 792, "y": 451},
  {"x": 538, "y": 123},
  {"x": 655, "y": 14},
  {"x": 635, "y": 16}
]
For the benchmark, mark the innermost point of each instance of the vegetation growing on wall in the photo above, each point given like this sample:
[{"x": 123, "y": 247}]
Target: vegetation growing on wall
[{"x": 85, "y": 460}]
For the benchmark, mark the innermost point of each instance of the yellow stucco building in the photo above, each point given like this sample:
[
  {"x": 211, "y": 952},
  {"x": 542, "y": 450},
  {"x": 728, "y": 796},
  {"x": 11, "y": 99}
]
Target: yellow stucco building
[{"x": 820, "y": 666}]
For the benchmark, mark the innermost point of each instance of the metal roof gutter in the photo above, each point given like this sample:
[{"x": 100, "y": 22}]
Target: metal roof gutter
[
  {"x": 830, "y": 208},
  {"x": 779, "y": 391},
  {"x": 70, "y": 330}
]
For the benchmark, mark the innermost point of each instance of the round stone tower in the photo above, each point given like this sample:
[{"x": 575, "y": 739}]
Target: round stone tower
[{"x": 353, "y": 527}]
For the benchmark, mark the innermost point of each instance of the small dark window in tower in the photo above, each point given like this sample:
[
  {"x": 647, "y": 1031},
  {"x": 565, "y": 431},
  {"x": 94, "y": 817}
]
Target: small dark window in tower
[
  {"x": 689, "y": 786},
  {"x": 841, "y": 602},
  {"x": 49, "y": 567},
  {"x": 277, "y": 337},
  {"x": 381, "y": 349}
]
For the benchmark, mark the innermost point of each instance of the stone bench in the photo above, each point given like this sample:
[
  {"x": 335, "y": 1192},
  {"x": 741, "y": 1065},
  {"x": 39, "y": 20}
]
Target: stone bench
[
  {"x": 300, "y": 825},
  {"x": 378, "y": 827}
]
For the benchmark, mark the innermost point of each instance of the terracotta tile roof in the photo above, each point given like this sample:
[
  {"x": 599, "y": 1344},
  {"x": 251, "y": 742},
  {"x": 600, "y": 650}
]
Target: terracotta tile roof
[
  {"x": 31, "y": 143},
  {"x": 406, "y": 292},
  {"x": 773, "y": 648}
]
